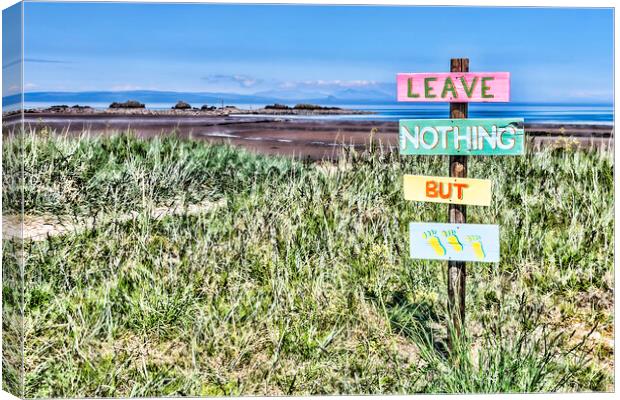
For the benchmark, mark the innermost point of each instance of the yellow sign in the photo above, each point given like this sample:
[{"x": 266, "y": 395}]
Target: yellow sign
[{"x": 475, "y": 192}]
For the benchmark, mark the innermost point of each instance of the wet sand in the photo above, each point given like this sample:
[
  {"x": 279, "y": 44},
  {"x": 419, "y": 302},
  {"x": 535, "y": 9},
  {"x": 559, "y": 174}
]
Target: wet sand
[{"x": 299, "y": 137}]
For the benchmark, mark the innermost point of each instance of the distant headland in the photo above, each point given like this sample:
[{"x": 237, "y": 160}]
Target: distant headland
[{"x": 134, "y": 107}]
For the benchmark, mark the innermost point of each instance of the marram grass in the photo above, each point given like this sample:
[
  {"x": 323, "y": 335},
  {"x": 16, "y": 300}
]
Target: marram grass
[{"x": 300, "y": 281}]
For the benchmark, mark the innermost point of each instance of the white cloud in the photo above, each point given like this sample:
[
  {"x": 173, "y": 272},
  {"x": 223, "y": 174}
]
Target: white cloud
[
  {"x": 329, "y": 83},
  {"x": 593, "y": 94},
  {"x": 123, "y": 87},
  {"x": 243, "y": 80}
]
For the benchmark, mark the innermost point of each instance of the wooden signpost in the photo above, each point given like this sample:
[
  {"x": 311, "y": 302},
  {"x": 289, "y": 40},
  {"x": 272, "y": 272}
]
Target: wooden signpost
[
  {"x": 434, "y": 189},
  {"x": 462, "y": 136},
  {"x": 457, "y": 213},
  {"x": 458, "y": 137}
]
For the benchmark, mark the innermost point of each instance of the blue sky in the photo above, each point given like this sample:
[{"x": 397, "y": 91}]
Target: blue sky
[
  {"x": 11, "y": 51},
  {"x": 553, "y": 54}
]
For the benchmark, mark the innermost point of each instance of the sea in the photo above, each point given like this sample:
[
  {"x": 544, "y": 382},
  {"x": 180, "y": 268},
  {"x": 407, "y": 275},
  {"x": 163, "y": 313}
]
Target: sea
[{"x": 602, "y": 114}]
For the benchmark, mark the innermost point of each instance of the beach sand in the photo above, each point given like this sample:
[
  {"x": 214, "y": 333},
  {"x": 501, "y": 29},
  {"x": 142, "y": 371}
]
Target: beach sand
[{"x": 299, "y": 137}]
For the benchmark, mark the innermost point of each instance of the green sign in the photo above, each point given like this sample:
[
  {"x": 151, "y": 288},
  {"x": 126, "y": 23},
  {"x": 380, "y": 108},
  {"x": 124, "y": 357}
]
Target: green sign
[{"x": 491, "y": 137}]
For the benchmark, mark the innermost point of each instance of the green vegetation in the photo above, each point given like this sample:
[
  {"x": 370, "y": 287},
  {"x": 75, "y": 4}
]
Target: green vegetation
[{"x": 299, "y": 280}]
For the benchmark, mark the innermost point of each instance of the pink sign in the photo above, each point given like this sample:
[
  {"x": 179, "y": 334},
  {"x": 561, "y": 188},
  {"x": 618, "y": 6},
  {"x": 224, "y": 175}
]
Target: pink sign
[{"x": 454, "y": 87}]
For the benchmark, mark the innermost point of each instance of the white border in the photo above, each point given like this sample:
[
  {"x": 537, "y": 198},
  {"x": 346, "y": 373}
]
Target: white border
[
  {"x": 447, "y": 3},
  {"x": 484, "y": 3}
]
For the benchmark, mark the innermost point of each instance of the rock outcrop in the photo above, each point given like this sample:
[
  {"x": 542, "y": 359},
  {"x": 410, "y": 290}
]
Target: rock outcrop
[
  {"x": 127, "y": 104},
  {"x": 181, "y": 105},
  {"x": 277, "y": 106}
]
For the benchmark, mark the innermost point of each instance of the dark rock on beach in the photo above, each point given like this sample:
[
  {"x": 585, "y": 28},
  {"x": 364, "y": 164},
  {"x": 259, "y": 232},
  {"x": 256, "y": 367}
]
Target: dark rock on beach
[
  {"x": 58, "y": 108},
  {"x": 78, "y": 107},
  {"x": 313, "y": 107},
  {"x": 277, "y": 106},
  {"x": 181, "y": 105},
  {"x": 66, "y": 109},
  {"x": 127, "y": 104}
]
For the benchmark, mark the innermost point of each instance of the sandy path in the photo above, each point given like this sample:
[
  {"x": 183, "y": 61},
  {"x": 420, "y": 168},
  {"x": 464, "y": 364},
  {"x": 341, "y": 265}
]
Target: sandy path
[{"x": 40, "y": 227}]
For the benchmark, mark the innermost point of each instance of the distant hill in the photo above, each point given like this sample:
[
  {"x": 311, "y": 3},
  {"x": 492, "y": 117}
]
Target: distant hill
[
  {"x": 145, "y": 96},
  {"x": 197, "y": 98}
]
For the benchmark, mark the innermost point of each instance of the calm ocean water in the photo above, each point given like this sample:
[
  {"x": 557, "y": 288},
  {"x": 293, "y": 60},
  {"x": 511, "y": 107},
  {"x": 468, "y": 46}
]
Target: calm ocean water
[{"x": 551, "y": 113}]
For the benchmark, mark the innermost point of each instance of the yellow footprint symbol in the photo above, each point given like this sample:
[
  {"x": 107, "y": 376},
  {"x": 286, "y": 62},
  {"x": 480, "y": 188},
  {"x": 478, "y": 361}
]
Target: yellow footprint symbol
[
  {"x": 453, "y": 240},
  {"x": 476, "y": 243},
  {"x": 433, "y": 240}
]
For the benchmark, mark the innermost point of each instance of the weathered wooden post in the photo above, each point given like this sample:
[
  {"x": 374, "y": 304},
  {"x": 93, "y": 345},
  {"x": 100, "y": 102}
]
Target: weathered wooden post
[{"x": 457, "y": 214}]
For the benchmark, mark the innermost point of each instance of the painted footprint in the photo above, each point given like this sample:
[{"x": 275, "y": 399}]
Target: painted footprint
[
  {"x": 433, "y": 240},
  {"x": 476, "y": 243},
  {"x": 453, "y": 240}
]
